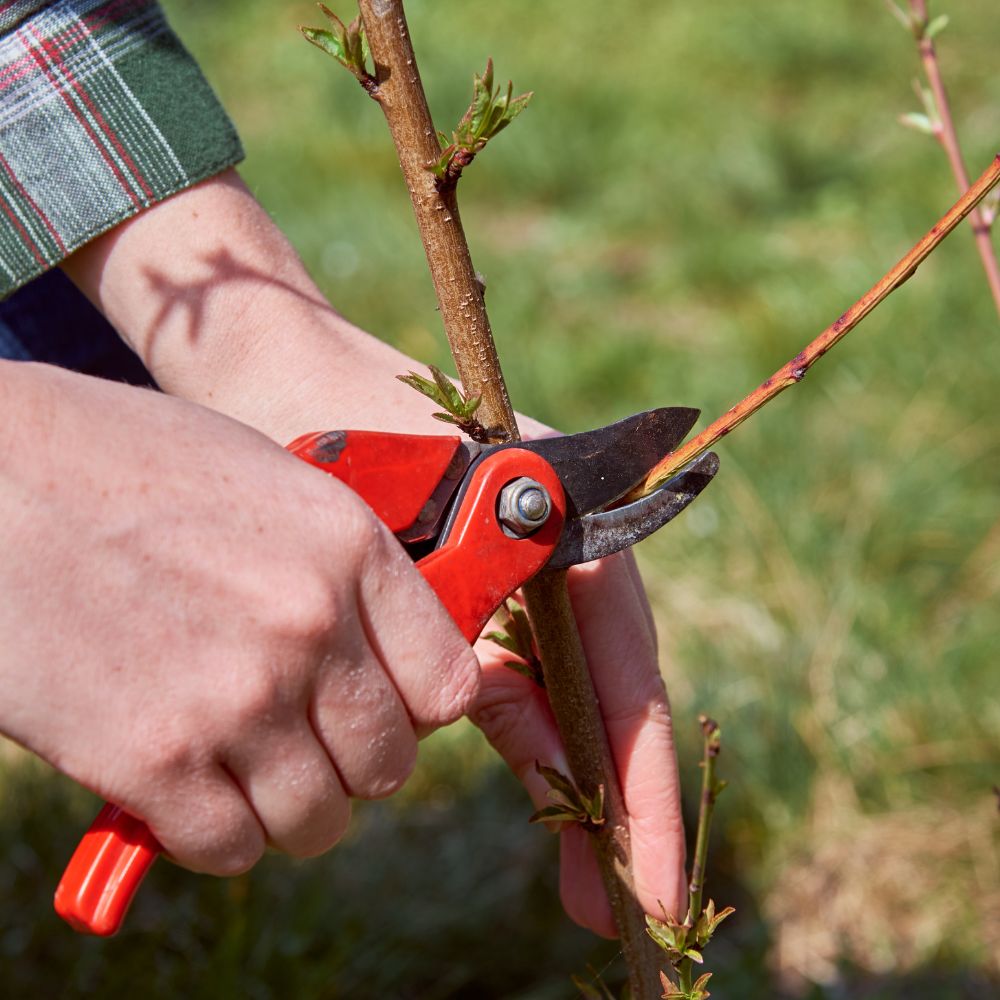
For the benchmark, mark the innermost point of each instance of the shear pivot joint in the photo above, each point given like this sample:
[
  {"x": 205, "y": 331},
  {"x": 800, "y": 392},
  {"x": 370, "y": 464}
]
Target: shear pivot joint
[{"x": 524, "y": 506}]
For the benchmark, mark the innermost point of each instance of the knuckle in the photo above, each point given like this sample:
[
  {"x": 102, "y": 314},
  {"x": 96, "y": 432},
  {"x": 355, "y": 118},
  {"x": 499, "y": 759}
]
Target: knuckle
[
  {"x": 255, "y": 700},
  {"x": 391, "y": 778},
  {"x": 166, "y": 753},
  {"x": 228, "y": 841},
  {"x": 460, "y": 685},
  {"x": 244, "y": 853},
  {"x": 500, "y": 720},
  {"x": 362, "y": 535},
  {"x": 306, "y": 613},
  {"x": 325, "y": 828}
]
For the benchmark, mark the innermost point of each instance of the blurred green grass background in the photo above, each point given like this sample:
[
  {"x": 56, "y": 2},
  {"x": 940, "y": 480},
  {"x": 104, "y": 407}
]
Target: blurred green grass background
[{"x": 696, "y": 190}]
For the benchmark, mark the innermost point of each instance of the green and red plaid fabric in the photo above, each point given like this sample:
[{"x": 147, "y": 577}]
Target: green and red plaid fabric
[{"x": 102, "y": 114}]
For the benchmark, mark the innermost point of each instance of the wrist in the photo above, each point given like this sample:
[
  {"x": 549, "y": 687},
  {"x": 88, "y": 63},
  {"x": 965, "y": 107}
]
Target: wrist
[
  {"x": 216, "y": 302},
  {"x": 213, "y": 298}
]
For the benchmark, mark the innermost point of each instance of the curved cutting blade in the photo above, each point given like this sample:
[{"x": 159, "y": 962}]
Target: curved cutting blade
[
  {"x": 599, "y": 535},
  {"x": 598, "y": 467}
]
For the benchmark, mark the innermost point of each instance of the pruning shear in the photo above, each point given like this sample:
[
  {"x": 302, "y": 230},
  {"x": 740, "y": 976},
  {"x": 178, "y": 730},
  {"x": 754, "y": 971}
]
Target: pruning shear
[{"x": 481, "y": 520}]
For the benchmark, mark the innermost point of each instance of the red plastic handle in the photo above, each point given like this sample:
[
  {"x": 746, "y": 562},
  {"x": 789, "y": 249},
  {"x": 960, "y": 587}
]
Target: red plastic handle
[
  {"x": 105, "y": 872},
  {"x": 476, "y": 569}
]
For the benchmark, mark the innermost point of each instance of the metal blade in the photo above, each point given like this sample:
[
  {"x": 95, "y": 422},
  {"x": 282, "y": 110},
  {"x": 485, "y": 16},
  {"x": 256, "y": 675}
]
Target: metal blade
[
  {"x": 597, "y": 467},
  {"x": 597, "y": 535}
]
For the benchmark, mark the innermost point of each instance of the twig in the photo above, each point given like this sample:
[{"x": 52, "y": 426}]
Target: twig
[
  {"x": 944, "y": 131},
  {"x": 684, "y": 942},
  {"x": 400, "y": 93},
  {"x": 794, "y": 371},
  {"x": 710, "y": 789}
]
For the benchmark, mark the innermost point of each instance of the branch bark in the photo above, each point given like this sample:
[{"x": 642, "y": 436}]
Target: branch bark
[
  {"x": 399, "y": 91},
  {"x": 948, "y": 137},
  {"x": 794, "y": 371}
]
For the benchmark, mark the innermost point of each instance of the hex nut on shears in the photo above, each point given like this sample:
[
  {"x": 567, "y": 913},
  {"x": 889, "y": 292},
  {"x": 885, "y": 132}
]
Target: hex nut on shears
[{"x": 524, "y": 506}]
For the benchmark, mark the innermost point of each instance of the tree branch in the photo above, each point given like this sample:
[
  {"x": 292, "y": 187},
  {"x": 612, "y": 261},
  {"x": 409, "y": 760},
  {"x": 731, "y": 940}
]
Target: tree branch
[
  {"x": 400, "y": 93},
  {"x": 793, "y": 372},
  {"x": 945, "y": 133}
]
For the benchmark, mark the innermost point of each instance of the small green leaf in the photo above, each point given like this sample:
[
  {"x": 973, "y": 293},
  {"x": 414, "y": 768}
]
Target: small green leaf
[
  {"x": 557, "y": 781},
  {"x": 482, "y": 100},
  {"x": 699, "y": 987},
  {"x": 668, "y": 934},
  {"x": 926, "y": 96},
  {"x": 519, "y": 666},
  {"x": 458, "y": 409},
  {"x": 918, "y": 122},
  {"x": 567, "y": 801},
  {"x": 551, "y": 814},
  {"x": 488, "y": 113},
  {"x": 356, "y": 42},
  {"x": 469, "y": 406},
  {"x": 662, "y": 937},
  {"x": 330, "y": 43},
  {"x": 439, "y": 168},
  {"x": 421, "y": 384},
  {"x": 595, "y": 806},
  {"x": 347, "y": 44},
  {"x": 715, "y": 921},
  {"x": 937, "y": 25},
  {"x": 450, "y": 397},
  {"x": 517, "y": 638},
  {"x": 515, "y": 621},
  {"x": 671, "y": 990},
  {"x": 517, "y": 105},
  {"x": 694, "y": 955},
  {"x": 503, "y": 639}
]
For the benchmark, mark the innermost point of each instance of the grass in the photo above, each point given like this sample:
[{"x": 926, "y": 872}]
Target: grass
[{"x": 695, "y": 191}]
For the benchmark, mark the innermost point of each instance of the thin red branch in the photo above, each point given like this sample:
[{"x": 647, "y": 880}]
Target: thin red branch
[
  {"x": 948, "y": 137},
  {"x": 792, "y": 373}
]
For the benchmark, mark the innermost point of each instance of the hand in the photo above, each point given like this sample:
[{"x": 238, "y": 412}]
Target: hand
[
  {"x": 230, "y": 319},
  {"x": 619, "y": 639},
  {"x": 203, "y": 629}
]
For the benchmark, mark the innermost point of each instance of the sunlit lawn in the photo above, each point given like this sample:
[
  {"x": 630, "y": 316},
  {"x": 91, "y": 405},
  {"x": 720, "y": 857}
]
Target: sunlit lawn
[{"x": 695, "y": 191}]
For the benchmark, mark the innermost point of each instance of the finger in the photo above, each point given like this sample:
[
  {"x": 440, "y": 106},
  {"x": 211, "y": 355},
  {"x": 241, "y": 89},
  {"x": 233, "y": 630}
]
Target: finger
[
  {"x": 207, "y": 826},
  {"x": 640, "y": 591},
  {"x": 514, "y": 714},
  {"x": 431, "y": 665},
  {"x": 622, "y": 658},
  {"x": 581, "y": 887},
  {"x": 294, "y": 790},
  {"x": 361, "y": 720}
]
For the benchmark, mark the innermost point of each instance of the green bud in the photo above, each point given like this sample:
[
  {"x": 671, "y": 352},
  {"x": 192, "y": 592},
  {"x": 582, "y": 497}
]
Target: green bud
[
  {"x": 937, "y": 25},
  {"x": 918, "y": 122}
]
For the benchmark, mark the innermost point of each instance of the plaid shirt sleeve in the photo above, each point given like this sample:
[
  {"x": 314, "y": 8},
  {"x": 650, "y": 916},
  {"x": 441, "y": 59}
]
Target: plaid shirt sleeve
[{"x": 102, "y": 114}]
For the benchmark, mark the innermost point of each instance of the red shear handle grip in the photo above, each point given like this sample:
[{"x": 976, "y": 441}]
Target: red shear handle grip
[
  {"x": 105, "y": 871},
  {"x": 472, "y": 573},
  {"x": 480, "y": 565}
]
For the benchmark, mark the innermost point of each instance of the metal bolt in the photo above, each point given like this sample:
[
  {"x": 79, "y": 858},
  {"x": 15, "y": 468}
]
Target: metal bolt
[{"x": 524, "y": 506}]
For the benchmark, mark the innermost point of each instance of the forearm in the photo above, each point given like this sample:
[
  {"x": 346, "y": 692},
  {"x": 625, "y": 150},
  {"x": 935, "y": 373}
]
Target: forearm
[{"x": 214, "y": 299}]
